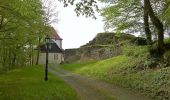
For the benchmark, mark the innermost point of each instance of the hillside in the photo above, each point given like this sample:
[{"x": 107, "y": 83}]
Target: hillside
[
  {"x": 103, "y": 46},
  {"x": 128, "y": 64},
  {"x": 131, "y": 70}
]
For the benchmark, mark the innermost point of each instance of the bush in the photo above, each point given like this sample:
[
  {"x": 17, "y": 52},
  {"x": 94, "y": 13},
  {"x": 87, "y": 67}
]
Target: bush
[
  {"x": 166, "y": 58},
  {"x": 139, "y": 41},
  {"x": 135, "y": 51}
]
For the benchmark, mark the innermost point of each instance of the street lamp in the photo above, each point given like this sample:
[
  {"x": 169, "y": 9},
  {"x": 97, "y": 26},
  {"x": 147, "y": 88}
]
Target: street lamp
[{"x": 47, "y": 39}]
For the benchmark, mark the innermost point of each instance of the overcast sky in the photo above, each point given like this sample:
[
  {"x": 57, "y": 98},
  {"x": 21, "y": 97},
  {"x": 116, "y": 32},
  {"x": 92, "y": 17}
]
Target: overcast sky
[{"x": 74, "y": 30}]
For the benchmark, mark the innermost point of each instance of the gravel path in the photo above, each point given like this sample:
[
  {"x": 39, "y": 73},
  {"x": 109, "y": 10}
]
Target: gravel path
[{"x": 90, "y": 89}]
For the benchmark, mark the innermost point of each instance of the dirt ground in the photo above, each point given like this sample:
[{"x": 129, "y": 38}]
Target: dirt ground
[{"x": 91, "y": 89}]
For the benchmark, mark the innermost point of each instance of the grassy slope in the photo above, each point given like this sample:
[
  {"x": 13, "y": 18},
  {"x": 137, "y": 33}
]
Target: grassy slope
[
  {"x": 27, "y": 83},
  {"x": 118, "y": 70}
]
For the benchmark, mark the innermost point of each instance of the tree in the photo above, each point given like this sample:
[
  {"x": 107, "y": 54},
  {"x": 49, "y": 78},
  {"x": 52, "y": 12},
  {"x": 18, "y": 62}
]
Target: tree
[
  {"x": 50, "y": 16},
  {"x": 83, "y": 7},
  {"x": 127, "y": 16},
  {"x": 158, "y": 24},
  {"x": 20, "y": 24},
  {"x": 121, "y": 15},
  {"x": 147, "y": 27}
]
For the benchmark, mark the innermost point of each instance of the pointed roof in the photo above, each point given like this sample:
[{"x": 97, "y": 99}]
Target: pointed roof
[
  {"x": 55, "y": 35},
  {"x": 53, "y": 48}
]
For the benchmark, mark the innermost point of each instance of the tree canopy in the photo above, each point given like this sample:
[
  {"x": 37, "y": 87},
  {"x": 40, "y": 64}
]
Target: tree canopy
[
  {"x": 21, "y": 23},
  {"x": 138, "y": 16}
]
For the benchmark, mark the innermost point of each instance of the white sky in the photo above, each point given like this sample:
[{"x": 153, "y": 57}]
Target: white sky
[{"x": 76, "y": 31}]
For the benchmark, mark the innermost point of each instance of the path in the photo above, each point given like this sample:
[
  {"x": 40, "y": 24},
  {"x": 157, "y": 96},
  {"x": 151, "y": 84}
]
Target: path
[{"x": 90, "y": 89}]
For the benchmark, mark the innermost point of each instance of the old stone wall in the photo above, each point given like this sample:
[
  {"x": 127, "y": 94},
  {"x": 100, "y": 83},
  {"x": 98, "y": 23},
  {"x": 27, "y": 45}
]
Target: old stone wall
[
  {"x": 103, "y": 46},
  {"x": 91, "y": 53}
]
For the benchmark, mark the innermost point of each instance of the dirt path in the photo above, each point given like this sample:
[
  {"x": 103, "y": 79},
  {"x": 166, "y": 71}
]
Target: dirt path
[{"x": 90, "y": 89}]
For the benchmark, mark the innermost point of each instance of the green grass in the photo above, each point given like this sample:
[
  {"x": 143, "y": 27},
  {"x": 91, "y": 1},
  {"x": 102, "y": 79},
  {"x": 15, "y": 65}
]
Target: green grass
[
  {"x": 98, "y": 69},
  {"x": 120, "y": 71},
  {"x": 103, "y": 69},
  {"x": 28, "y": 83},
  {"x": 75, "y": 66}
]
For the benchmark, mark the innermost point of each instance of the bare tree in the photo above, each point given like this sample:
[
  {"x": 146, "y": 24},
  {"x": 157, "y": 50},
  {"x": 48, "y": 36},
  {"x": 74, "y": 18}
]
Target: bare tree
[
  {"x": 50, "y": 16},
  {"x": 50, "y": 11}
]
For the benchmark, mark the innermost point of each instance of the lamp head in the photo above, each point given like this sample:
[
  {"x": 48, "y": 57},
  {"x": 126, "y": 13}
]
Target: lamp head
[{"x": 47, "y": 39}]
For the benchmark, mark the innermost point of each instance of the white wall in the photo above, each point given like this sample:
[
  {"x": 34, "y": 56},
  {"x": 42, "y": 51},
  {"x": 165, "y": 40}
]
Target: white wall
[
  {"x": 58, "y": 42},
  {"x": 53, "y": 58}
]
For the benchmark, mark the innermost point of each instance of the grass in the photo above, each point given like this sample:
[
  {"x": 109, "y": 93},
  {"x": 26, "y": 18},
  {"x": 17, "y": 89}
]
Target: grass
[
  {"x": 121, "y": 71},
  {"x": 76, "y": 66},
  {"x": 27, "y": 83},
  {"x": 98, "y": 69}
]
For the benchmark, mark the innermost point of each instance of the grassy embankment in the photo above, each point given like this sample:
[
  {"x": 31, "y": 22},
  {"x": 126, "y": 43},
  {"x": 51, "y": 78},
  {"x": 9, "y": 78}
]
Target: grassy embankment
[
  {"x": 27, "y": 83},
  {"x": 122, "y": 71}
]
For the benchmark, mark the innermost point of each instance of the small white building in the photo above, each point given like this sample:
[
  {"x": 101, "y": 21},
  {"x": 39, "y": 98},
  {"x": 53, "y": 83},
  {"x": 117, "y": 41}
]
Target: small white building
[{"x": 55, "y": 53}]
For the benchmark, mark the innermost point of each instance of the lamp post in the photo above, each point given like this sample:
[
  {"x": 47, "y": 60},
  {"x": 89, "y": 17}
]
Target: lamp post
[{"x": 47, "y": 39}]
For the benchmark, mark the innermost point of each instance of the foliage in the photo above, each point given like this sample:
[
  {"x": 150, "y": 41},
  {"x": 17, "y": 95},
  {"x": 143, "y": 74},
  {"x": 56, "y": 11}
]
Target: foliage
[
  {"x": 109, "y": 39},
  {"x": 167, "y": 41},
  {"x": 138, "y": 16},
  {"x": 121, "y": 15},
  {"x": 139, "y": 41},
  {"x": 166, "y": 11},
  {"x": 83, "y": 7},
  {"x": 27, "y": 84},
  {"x": 123, "y": 71},
  {"x": 21, "y": 25}
]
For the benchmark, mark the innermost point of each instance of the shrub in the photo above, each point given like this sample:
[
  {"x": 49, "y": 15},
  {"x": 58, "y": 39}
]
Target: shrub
[
  {"x": 139, "y": 41},
  {"x": 136, "y": 51}
]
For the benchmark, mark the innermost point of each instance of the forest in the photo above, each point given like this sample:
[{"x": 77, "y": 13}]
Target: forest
[{"x": 24, "y": 25}]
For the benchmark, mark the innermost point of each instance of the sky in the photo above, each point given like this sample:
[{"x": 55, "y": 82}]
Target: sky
[{"x": 76, "y": 31}]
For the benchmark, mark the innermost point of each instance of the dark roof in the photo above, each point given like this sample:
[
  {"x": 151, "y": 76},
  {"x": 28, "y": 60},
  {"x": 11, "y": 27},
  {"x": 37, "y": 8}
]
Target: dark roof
[
  {"x": 55, "y": 35},
  {"x": 53, "y": 48}
]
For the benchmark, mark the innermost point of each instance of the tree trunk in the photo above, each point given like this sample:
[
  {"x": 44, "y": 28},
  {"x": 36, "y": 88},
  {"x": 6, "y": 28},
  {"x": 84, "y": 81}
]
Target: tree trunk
[
  {"x": 146, "y": 25},
  {"x": 32, "y": 55},
  {"x": 38, "y": 55},
  {"x": 14, "y": 60},
  {"x": 159, "y": 26},
  {"x": 38, "y": 51}
]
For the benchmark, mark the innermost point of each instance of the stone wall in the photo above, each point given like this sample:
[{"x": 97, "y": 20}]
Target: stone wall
[
  {"x": 99, "y": 52},
  {"x": 103, "y": 46},
  {"x": 91, "y": 53},
  {"x": 71, "y": 55}
]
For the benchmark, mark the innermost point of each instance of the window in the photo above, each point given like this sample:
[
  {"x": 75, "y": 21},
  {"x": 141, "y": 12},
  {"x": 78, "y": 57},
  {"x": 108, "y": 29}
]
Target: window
[{"x": 55, "y": 56}]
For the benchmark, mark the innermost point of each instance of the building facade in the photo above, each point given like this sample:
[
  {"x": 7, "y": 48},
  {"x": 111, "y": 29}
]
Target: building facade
[{"x": 55, "y": 52}]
